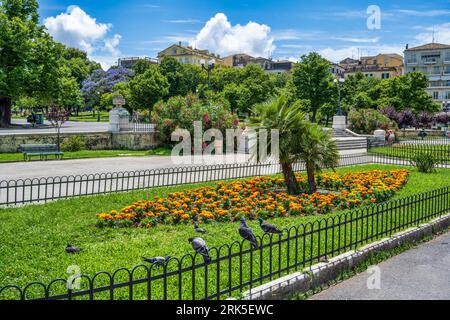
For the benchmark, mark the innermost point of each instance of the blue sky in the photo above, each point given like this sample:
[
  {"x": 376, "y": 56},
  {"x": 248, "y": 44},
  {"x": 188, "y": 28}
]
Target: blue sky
[{"x": 281, "y": 29}]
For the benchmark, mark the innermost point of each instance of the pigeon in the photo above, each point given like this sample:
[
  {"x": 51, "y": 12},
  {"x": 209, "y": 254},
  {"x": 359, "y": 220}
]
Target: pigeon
[
  {"x": 158, "y": 261},
  {"x": 199, "y": 245},
  {"x": 198, "y": 229},
  {"x": 247, "y": 233},
  {"x": 72, "y": 249},
  {"x": 268, "y": 228}
]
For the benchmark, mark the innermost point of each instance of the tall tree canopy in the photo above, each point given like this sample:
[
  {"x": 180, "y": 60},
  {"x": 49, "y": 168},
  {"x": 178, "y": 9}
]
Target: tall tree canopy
[
  {"x": 313, "y": 81},
  {"x": 19, "y": 31}
]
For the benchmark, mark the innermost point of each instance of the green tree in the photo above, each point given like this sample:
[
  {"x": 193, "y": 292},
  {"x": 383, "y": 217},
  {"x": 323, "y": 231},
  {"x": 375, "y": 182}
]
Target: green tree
[
  {"x": 360, "y": 92},
  {"x": 278, "y": 114},
  {"x": 147, "y": 89},
  {"x": 18, "y": 31},
  {"x": 407, "y": 91},
  {"x": 313, "y": 81}
]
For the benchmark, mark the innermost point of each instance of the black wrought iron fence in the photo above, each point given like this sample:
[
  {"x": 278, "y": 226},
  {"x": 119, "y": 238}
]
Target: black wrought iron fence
[
  {"x": 408, "y": 149},
  {"x": 236, "y": 267},
  {"x": 22, "y": 191}
]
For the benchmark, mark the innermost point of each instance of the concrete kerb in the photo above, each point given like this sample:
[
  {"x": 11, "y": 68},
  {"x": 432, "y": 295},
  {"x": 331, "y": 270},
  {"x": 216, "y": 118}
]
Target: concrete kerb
[{"x": 321, "y": 273}]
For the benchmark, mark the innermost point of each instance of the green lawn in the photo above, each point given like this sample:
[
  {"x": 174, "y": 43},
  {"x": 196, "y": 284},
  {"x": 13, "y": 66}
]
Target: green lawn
[
  {"x": 407, "y": 151},
  {"x": 13, "y": 157},
  {"x": 32, "y": 238},
  {"x": 82, "y": 117},
  {"x": 88, "y": 117}
]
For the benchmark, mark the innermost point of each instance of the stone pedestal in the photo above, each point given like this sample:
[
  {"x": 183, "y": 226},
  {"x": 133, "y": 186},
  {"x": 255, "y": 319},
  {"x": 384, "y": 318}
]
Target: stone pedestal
[
  {"x": 380, "y": 135},
  {"x": 119, "y": 119},
  {"x": 339, "y": 122}
]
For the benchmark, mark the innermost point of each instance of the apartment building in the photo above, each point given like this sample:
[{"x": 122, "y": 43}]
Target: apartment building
[
  {"x": 433, "y": 59},
  {"x": 381, "y": 66},
  {"x": 189, "y": 55}
]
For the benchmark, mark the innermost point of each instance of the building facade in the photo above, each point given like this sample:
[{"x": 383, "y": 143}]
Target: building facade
[
  {"x": 381, "y": 66},
  {"x": 269, "y": 65},
  {"x": 337, "y": 70},
  {"x": 131, "y": 61},
  {"x": 189, "y": 55},
  {"x": 433, "y": 59}
]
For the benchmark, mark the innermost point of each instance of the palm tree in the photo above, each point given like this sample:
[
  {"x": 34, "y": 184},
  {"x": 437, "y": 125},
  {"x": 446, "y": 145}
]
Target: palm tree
[
  {"x": 290, "y": 121},
  {"x": 317, "y": 150},
  {"x": 298, "y": 140}
]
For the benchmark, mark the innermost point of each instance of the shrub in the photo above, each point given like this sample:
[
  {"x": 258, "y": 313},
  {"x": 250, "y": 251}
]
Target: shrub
[
  {"x": 181, "y": 112},
  {"x": 366, "y": 121},
  {"x": 73, "y": 144},
  {"x": 425, "y": 162}
]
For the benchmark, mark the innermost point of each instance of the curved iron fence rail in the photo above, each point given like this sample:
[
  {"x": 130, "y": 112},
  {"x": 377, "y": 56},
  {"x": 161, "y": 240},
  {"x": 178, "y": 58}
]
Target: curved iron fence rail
[
  {"x": 235, "y": 267},
  {"x": 407, "y": 149},
  {"x": 22, "y": 191}
]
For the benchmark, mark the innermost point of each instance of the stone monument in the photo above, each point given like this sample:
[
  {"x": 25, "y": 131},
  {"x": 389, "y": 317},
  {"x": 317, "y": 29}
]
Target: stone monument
[{"x": 119, "y": 118}]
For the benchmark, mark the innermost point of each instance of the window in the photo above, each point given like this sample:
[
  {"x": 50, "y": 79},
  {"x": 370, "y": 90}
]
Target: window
[
  {"x": 436, "y": 70},
  {"x": 448, "y": 83},
  {"x": 447, "y": 55},
  {"x": 435, "y": 95},
  {"x": 412, "y": 58},
  {"x": 174, "y": 51},
  {"x": 385, "y": 76},
  {"x": 447, "y": 69}
]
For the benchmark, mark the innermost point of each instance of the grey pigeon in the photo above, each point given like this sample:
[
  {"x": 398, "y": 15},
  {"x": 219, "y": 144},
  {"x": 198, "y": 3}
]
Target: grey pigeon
[
  {"x": 198, "y": 229},
  {"x": 247, "y": 233},
  {"x": 268, "y": 228},
  {"x": 72, "y": 249},
  {"x": 158, "y": 261},
  {"x": 199, "y": 245}
]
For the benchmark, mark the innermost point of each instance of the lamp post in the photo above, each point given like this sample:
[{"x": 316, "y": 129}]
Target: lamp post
[
  {"x": 208, "y": 68},
  {"x": 339, "y": 82}
]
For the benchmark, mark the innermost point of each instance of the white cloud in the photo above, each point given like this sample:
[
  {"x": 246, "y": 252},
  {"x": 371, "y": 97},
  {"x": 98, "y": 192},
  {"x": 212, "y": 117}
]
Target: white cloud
[
  {"x": 358, "y": 40},
  {"x": 424, "y": 13},
  {"x": 75, "y": 28},
  {"x": 111, "y": 44},
  {"x": 441, "y": 34},
  {"x": 219, "y": 36},
  {"x": 336, "y": 55}
]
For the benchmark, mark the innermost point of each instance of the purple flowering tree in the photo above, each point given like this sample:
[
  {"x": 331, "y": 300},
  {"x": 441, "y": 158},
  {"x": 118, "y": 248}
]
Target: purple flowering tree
[
  {"x": 100, "y": 82},
  {"x": 407, "y": 118},
  {"x": 425, "y": 118},
  {"x": 391, "y": 113},
  {"x": 442, "y": 117}
]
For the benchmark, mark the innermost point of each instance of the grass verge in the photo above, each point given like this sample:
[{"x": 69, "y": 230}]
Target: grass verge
[{"x": 86, "y": 154}]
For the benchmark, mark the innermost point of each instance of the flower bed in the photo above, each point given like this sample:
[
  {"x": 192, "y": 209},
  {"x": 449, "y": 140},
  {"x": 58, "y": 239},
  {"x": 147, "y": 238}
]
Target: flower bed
[{"x": 259, "y": 197}]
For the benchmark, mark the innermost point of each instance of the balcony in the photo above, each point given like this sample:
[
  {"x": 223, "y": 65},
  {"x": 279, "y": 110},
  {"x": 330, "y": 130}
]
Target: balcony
[{"x": 430, "y": 61}]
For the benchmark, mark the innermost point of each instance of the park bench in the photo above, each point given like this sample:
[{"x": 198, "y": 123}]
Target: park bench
[{"x": 41, "y": 150}]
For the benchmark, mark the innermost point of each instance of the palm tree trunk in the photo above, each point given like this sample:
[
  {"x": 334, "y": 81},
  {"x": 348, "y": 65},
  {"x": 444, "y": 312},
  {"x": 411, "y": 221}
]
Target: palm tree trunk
[
  {"x": 289, "y": 178},
  {"x": 311, "y": 177}
]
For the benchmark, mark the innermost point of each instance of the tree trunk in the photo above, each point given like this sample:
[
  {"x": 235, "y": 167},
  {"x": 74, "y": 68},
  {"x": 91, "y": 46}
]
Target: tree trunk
[
  {"x": 311, "y": 178},
  {"x": 5, "y": 111},
  {"x": 289, "y": 178},
  {"x": 313, "y": 118}
]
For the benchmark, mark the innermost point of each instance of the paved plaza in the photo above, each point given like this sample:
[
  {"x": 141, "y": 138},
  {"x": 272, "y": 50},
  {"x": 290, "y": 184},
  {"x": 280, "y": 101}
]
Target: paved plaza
[{"x": 422, "y": 273}]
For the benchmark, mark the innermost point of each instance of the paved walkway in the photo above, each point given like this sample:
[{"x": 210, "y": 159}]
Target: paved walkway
[
  {"x": 422, "y": 273},
  {"x": 55, "y": 168},
  {"x": 69, "y": 126}
]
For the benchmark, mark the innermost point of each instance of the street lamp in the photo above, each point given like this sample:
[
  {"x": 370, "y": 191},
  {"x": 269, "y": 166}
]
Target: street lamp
[
  {"x": 208, "y": 68},
  {"x": 339, "y": 82}
]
